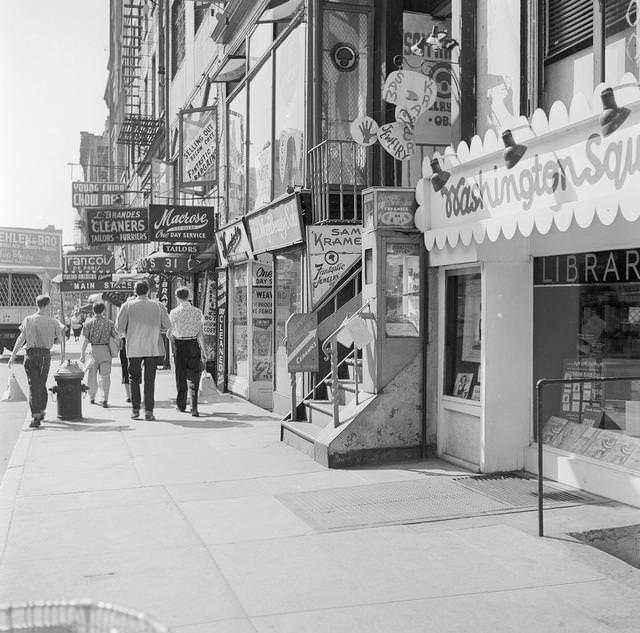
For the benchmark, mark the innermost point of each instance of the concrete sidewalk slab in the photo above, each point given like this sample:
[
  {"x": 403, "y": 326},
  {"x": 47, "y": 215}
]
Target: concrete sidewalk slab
[{"x": 181, "y": 518}]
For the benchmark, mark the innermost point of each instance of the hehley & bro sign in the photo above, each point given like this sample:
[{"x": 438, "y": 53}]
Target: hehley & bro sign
[{"x": 585, "y": 169}]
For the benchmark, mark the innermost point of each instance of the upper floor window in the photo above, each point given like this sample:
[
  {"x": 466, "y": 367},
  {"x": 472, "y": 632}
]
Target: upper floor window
[
  {"x": 177, "y": 35},
  {"x": 569, "y": 25}
]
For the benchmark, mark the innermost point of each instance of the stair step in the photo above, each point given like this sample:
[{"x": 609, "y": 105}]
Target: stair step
[{"x": 300, "y": 435}]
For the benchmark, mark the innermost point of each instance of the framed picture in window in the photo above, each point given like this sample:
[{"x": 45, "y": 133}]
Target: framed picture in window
[
  {"x": 471, "y": 332},
  {"x": 462, "y": 386}
]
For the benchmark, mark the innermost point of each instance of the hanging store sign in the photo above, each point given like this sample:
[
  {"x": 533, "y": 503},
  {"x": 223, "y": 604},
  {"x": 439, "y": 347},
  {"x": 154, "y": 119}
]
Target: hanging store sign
[
  {"x": 393, "y": 208},
  {"x": 171, "y": 223},
  {"x": 88, "y": 262},
  {"x": 221, "y": 354},
  {"x": 96, "y": 194},
  {"x": 117, "y": 225},
  {"x": 198, "y": 163},
  {"x": 183, "y": 249},
  {"x": 233, "y": 243},
  {"x": 277, "y": 227},
  {"x": 30, "y": 247},
  {"x": 301, "y": 332},
  {"x": 97, "y": 284},
  {"x": 332, "y": 252}
]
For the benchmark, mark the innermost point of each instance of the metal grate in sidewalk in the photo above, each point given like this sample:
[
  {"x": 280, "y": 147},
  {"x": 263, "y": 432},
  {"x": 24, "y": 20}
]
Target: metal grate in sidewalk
[{"x": 427, "y": 499}]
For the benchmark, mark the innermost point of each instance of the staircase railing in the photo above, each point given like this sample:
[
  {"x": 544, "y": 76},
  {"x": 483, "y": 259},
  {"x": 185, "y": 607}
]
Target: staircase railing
[{"x": 330, "y": 350}]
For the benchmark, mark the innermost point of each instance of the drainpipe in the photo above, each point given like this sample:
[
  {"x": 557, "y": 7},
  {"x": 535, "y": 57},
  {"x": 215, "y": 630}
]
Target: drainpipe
[{"x": 425, "y": 346}]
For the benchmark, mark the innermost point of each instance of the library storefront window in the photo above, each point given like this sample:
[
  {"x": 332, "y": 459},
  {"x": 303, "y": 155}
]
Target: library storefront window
[
  {"x": 587, "y": 325},
  {"x": 463, "y": 342}
]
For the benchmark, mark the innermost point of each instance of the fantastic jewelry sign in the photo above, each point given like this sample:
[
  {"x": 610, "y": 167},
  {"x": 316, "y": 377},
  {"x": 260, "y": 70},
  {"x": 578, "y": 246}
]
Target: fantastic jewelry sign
[{"x": 332, "y": 252}]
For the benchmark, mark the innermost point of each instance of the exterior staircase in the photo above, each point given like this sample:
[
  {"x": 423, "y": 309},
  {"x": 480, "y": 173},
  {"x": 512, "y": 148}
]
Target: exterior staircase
[{"x": 318, "y": 413}]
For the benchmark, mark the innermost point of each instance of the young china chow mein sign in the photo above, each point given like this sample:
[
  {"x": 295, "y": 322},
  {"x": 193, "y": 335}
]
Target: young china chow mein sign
[{"x": 577, "y": 174}]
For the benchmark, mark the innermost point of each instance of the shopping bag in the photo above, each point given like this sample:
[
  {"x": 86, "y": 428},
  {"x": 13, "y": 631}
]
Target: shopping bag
[
  {"x": 13, "y": 391},
  {"x": 114, "y": 346},
  {"x": 207, "y": 391}
]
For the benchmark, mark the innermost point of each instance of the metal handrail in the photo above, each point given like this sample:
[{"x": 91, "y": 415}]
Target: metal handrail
[
  {"x": 343, "y": 325},
  {"x": 356, "y": 270},
  {"x": 543, "y": 382}
]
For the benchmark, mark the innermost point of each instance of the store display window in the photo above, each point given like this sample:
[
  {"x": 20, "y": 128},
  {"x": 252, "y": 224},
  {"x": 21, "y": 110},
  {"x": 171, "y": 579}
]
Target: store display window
[
  {"x": 238, "y": 347},
  {"x": 262, "y": 315},
  {"x": 403, "y": 289},
  {"x": 587, "y": 325},
  {"x": 288, "y": 300},
  {"x": 463, "y": 340}
]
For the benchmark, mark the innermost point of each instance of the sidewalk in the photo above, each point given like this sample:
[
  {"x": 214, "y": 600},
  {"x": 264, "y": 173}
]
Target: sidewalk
[{"x": 185, "y": 519}]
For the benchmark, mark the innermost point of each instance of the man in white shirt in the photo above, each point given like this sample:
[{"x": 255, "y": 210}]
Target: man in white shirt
[
  {"x": 188, "y": 349},
  {"x": 140, "y": 322}
]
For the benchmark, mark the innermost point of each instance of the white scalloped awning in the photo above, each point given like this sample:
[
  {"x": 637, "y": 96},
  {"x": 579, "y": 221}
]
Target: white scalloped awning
[{"x": 570, "y": 174}]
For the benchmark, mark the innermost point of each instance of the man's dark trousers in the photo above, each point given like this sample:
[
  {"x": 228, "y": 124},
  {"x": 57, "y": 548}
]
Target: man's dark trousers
[
  {"x": 135, "y": 376},
  {"x": 37, "y": 361},
  {"x": 188, "y": 371}
]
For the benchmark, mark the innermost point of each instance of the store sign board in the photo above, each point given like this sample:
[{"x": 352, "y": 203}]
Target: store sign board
[
  {"x": 30, "y": 247},
  {"x": 180, "y": 223},
  {"x": 276, "y": 227},
  {"x": 233, "y": 243},
  {"x": 586, "y": 169},
  {"x": 390, "y": 208},
  {"x": 118, "y": 225},
  {"x": 96, "y": 194},
  {"x": 186, "y": 249},
  {"x": 332, "y": 250},
  {"x": 199, "y": 146},
  {"x": 301, "y": 330},
  {"x": 598, "y": 268},
  {"x": 98, "y": 261},
  {"x": 97, "y": 284},
  {"x": 221, "y": 356}
]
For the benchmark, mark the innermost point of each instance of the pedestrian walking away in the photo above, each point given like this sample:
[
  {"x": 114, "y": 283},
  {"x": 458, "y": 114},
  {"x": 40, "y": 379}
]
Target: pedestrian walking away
[
  {"x": 76, "y": 325},
  {"x": 97, "y": 331},
  {"x": 38, "y": 333},
  {"x": 188, "y": 349},
  {"x": 141, "y": 321}
]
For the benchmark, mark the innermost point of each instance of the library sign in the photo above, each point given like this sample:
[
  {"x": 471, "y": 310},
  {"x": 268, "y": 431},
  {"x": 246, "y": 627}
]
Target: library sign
[{"x": 602, "y": 267}]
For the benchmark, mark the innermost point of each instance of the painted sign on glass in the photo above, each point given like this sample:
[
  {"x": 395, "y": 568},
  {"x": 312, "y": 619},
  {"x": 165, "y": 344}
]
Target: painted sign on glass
[{"x": 199, "y": 146}]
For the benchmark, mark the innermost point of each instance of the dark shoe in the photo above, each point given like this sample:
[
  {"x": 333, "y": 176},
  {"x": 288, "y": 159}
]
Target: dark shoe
[
  {"x": 181, "y": 409},
  {"x": 104, "y": 404},
  {"x": 35, "y": 424},
  {"x": 135, "y": 414},
  {"x": 195, "y": 414},
  {"x": 128, "y": 399},
  {"x": 92, "y": 401},
  {"x": 149, "y": 417}
]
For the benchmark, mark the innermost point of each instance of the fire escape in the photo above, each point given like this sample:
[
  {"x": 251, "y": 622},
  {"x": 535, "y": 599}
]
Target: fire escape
[{"x": 138, "y": 129}]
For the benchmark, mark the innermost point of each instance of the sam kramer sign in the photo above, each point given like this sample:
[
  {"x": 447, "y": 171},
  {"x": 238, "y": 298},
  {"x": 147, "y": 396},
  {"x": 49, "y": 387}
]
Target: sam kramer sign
[{"x": 332, "y": 251}]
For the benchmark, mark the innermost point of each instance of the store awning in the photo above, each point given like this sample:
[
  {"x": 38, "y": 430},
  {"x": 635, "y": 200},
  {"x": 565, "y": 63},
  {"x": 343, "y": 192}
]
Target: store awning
[{"x": 569, "y": 174}]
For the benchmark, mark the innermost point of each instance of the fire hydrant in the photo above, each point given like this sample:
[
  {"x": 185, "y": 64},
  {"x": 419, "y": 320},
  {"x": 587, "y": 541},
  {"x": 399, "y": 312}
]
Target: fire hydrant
[{"x": 69, "y": 390}]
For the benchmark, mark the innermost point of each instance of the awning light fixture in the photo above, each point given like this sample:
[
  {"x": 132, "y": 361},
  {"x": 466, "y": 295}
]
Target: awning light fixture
[
  {"x": 440, "y": 176},
  {"x": 513, "y": 151}
]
